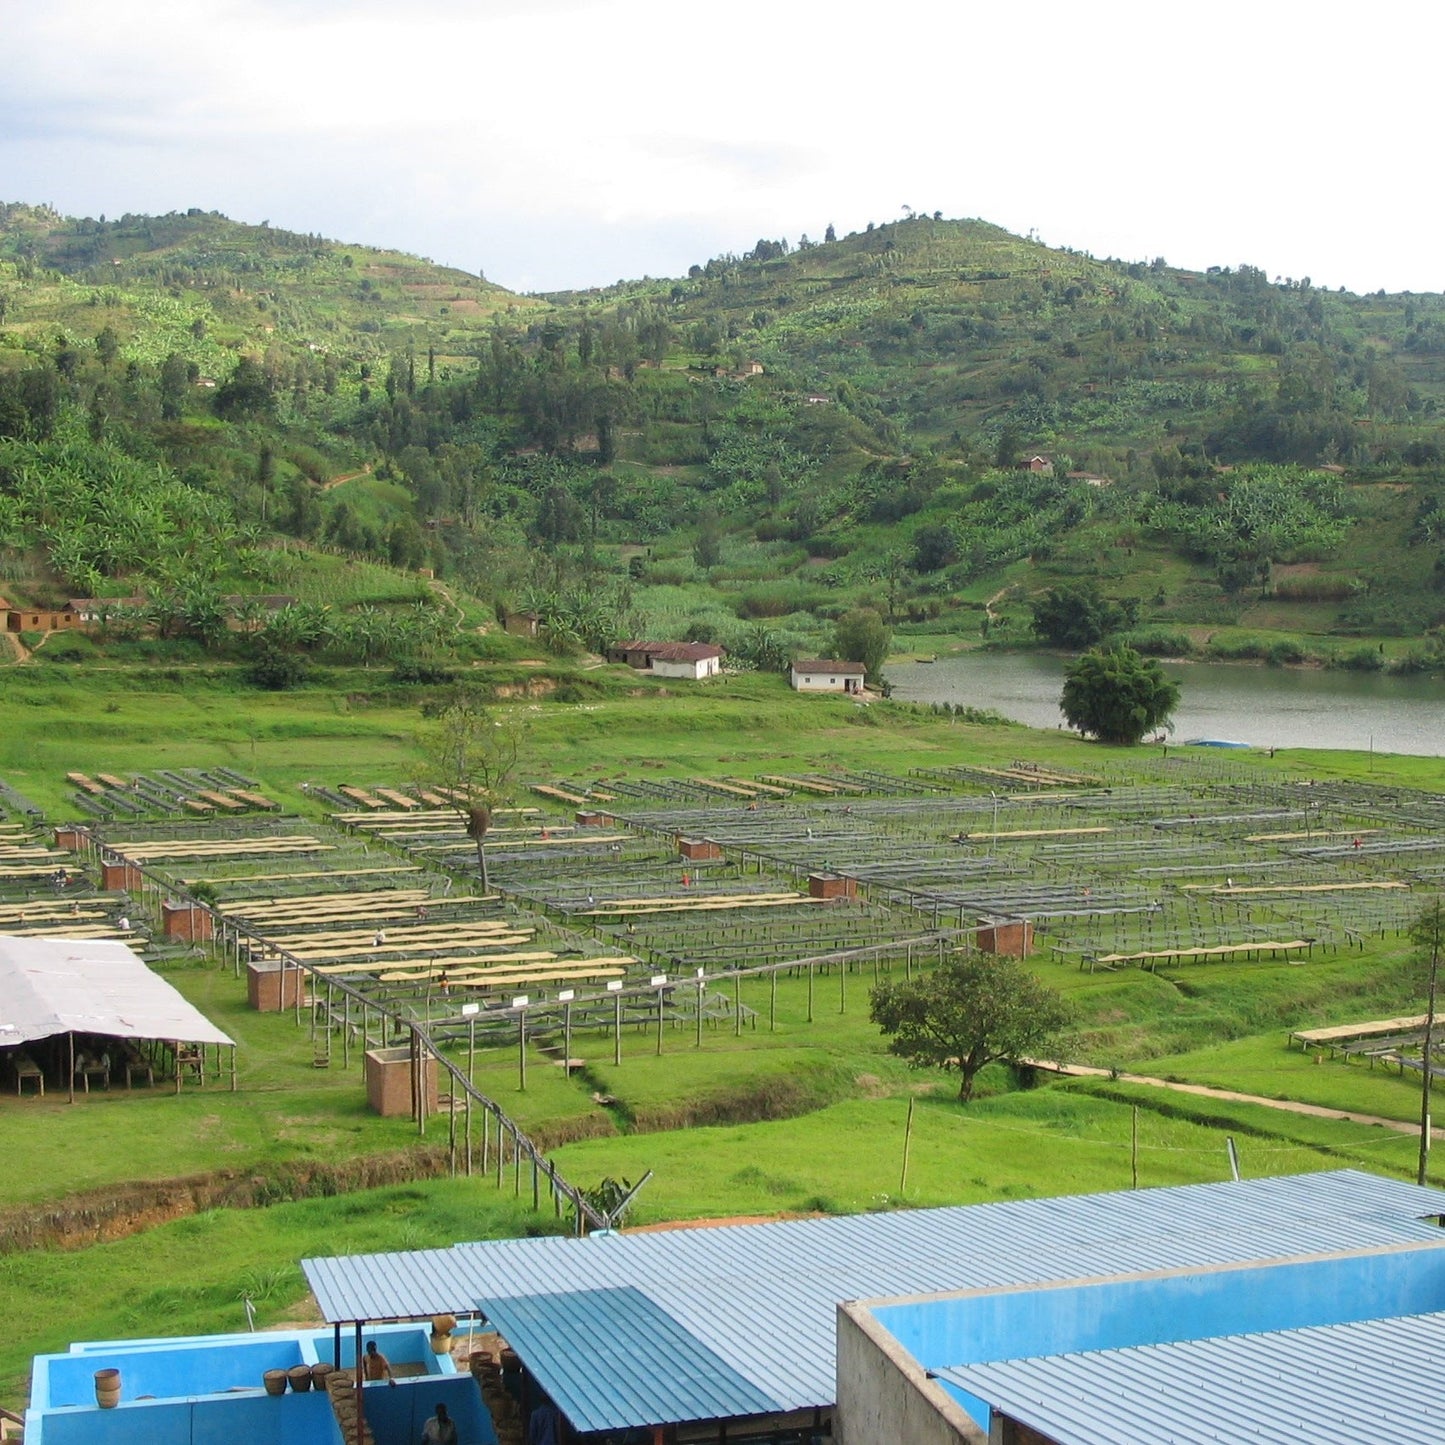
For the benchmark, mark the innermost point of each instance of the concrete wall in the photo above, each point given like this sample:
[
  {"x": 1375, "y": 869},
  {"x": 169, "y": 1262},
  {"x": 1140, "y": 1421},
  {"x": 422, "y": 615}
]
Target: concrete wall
[
  {"x": 257, "y": 1419},
  {"x": 885, "y": 1396},
  {"x": 826, "y": 681},
  {"x": 974, "y": 1326}
]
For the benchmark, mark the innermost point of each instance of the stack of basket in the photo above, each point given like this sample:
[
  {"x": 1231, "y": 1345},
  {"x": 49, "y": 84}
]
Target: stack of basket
[{"x": 342, "y": 1389}]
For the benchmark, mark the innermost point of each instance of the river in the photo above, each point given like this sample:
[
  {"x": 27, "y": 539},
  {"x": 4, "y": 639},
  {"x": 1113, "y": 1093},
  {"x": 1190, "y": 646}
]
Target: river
[{"x": 1262, "y": 706}]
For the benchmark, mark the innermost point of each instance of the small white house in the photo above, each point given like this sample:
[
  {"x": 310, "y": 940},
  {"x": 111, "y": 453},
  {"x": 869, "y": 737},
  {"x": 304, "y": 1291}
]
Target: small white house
[
  {"x": 692, "y": 660},
  {"x": 824, "y": 674}
]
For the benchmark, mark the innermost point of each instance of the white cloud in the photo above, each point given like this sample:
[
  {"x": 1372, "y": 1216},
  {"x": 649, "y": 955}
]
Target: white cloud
[{"x": 568, "y": 142}]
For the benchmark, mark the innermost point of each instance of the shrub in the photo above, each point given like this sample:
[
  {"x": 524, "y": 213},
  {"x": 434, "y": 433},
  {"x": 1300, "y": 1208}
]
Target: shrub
[{"x": 1362, "y": 659}]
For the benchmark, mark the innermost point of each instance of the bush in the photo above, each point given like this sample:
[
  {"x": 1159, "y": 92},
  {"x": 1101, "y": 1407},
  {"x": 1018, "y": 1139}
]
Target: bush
[
  {"x": 1159, "y": 642},
  {"x": 1282, "y": 653},
  {"x": 1362, "y": 659},
  {"x": 278, "y": 671}
]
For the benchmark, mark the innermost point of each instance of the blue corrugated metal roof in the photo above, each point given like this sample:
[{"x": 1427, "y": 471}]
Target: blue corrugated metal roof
[
  {"x": 611, "y": 1359},
  {"x": 1378, "y": 1380},
  {"x": 762, "y": 1297}
]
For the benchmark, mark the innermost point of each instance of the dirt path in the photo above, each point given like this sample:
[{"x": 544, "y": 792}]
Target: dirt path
[
  {"x": 1233, "y": 1096},
  {"x": 444, "y": 592},
  {"x": 22, "y": 653},
  {"x": 348, "y": 477}
]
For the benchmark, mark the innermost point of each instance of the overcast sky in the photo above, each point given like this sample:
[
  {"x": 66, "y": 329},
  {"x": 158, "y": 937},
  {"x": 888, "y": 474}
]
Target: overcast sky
[{"x": 553, "y": 143}]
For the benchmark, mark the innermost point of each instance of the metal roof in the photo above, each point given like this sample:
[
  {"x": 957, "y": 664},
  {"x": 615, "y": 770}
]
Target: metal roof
[
  {"x": 763, "y": 1297},
  {"x": 649, "y": 1370},
  {"x": 1377, "y": 1380},
  {"x": 54, "y": 986}
]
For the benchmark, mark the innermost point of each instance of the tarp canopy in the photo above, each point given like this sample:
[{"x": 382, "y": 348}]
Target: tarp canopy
[{"x": 54, "y": 986}]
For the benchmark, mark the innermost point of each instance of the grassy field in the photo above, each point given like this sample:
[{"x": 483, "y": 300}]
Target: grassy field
[{"x": 801, "y": 1118}]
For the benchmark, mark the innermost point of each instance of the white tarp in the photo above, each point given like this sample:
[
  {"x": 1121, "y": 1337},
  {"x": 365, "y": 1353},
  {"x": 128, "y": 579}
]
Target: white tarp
[{"x": 54, "y": 986}]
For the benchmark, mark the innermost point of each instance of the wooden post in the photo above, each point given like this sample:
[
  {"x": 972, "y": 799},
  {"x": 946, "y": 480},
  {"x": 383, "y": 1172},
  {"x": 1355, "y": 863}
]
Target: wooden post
[
  {"x": 737, "y": 1005},
  {"x": 1433, "y": 925},
  {"x": 810, "y": 993},
  {"x": 469, "y": 1136},
  {"x": 701, "y": 985},
  {"x": 661, "y": 990},
  {"x": 907, "y": 1140},
  {"x": 70, "y": 1039},
  {"x": 1134, "y": 1148},
  {"x": 452, "y": 1136},
  {"x": 617, "y": 1030},
  {"x": 522, "y": 1050},
  {"x": 471, "y": 1046},
  {"x": 842, "y": 985},
  {"x": 773, "y": 1002}
]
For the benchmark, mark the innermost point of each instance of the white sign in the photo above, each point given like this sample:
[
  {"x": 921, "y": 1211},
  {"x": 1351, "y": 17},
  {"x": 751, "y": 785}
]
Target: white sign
[
  {"x": 658, "y": 979},
  {"x": 614, "y": 985},
  {"x": 520, "y": 1001},
  {"x": 566, "y": 996},
  {"x": 468, "y": 1009}
]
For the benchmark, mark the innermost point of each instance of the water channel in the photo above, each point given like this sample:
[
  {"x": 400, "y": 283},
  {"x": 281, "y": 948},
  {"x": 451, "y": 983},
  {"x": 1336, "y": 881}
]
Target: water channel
[{"x": 1262, "y": 706}]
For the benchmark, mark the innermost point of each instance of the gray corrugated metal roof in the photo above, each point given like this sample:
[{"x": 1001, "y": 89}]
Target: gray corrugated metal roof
[
  {"x": 52, "y": 986},
  {"x": 648, "y": 1371},
  {"x": 762, "y": 1297},
  {"x": 1378, "y": 1380}
]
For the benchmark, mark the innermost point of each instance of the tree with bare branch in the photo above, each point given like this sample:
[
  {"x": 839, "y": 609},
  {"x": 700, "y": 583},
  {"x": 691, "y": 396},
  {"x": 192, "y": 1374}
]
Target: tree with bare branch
[{"x": 471, "y": 751}]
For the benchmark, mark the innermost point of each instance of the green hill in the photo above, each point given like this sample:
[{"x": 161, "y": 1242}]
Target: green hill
[{"x": 745, "y": 453}]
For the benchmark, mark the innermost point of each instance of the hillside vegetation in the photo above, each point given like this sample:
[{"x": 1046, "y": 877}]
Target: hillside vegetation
[{"x": 1236, "y": 466}]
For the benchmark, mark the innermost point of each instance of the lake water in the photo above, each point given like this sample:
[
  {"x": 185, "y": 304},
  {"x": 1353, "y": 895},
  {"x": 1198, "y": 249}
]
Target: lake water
[{"x": 1263, "y": 706}]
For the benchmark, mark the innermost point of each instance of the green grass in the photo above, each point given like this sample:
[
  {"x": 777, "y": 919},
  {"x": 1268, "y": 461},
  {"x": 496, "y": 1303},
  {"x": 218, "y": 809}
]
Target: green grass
[{"x": 828, "y": 1102}]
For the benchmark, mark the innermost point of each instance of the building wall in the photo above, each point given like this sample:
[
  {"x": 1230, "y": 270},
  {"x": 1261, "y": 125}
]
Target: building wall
[
  {"x": 1143, "y": 1309},
  {"x": 883, "y": 1394},
  {"x": 707, "y": 667},
  {"x": 823, "y": 681}
]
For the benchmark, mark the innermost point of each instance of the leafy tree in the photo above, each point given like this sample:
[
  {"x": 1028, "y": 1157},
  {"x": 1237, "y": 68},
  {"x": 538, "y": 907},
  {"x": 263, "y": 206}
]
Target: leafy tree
[
  {"x": 976, "y": 1009},
  {"x": 107, "y": 346},
  {"x": 470, "y": 754},
  {"x": 707, "y": 549},
  {"x": 935, "y": 547},
  {"x": 246, "y": 392},
  {"x": 830, "y": 234},
  {"x": 559, "y": 517},
  {"x": 174, "y": 383},
  {"x": 1115, "y": 695},
  {"x": 863, "y": 636},
  {"x": 1080, "y": 616}
]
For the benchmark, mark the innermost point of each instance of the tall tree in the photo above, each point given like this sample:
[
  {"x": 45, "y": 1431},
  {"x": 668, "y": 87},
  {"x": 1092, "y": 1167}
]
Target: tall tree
[
  {"x": 471, "y": 753},
  {"x": 1115, "y": 695},
  {"x": 863, "y": 636}
]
